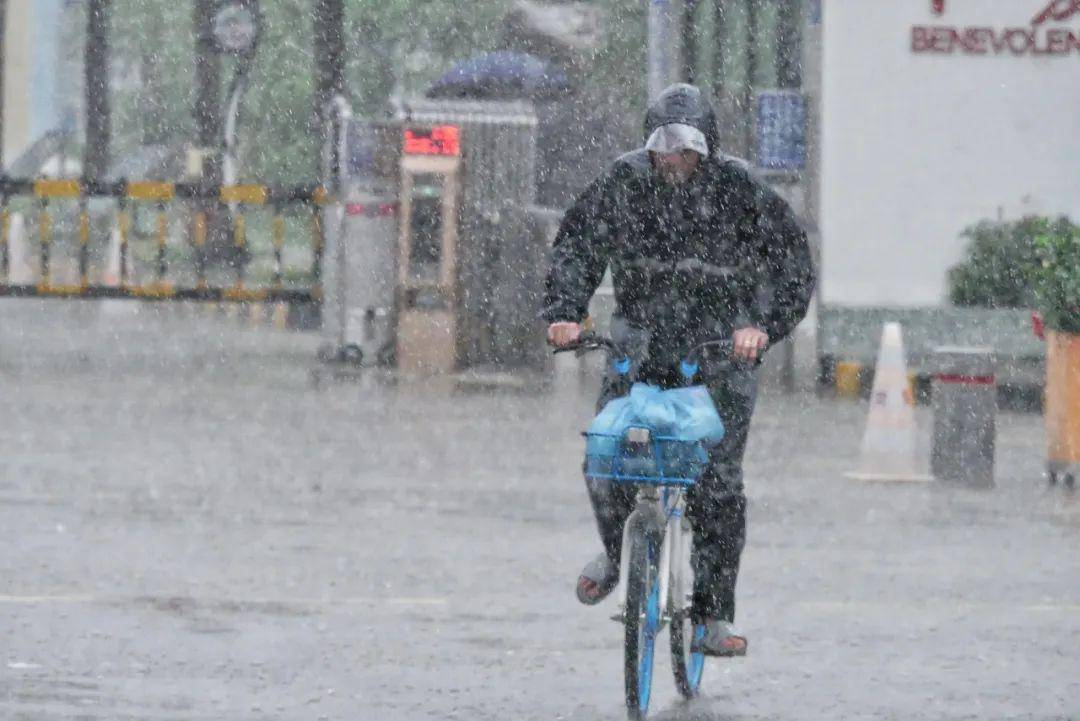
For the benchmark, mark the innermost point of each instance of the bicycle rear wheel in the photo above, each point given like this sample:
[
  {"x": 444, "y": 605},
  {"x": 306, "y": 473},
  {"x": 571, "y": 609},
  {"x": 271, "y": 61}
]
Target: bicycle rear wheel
[
  {"x": 687, "y": 665},
  {"x": 642, "y": 619}
]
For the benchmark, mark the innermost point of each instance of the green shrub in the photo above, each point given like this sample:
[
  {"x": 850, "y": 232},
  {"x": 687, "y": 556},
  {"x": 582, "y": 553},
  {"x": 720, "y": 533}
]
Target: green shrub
[
  {"x": 1056, "y": 275},
  {"x": 1000, "y": 259}
]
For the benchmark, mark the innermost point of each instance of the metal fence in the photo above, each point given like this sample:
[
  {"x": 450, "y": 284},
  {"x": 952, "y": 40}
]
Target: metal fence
[{"x": 84, "y": 240}]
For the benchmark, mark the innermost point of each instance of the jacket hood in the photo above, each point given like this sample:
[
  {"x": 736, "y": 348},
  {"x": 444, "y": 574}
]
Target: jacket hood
[{"x": 682, "y": 103}]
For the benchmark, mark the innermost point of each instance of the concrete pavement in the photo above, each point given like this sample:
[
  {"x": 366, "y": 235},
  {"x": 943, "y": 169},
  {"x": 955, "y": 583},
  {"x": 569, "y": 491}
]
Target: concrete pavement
[{"x": 193, "y": 531}]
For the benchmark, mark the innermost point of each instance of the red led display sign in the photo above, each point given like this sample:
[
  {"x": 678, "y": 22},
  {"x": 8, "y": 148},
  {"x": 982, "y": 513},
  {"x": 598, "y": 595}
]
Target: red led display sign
[{"x": 439, "y": 140}]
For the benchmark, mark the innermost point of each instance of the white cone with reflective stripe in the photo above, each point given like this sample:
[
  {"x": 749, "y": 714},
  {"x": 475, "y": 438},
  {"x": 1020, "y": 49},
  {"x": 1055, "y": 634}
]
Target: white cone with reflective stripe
[
  {"x": 21, "y": 267},
  {"x": 890, "y": 442},
  {"x": 111, "y": 277}
]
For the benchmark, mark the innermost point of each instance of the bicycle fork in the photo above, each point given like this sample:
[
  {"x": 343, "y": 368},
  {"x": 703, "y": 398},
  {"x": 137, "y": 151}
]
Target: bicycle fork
[{"x": 669, "y": 527}]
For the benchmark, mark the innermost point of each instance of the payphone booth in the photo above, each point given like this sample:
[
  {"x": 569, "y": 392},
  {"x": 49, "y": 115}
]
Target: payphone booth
[{"x": 428, "y": 315}]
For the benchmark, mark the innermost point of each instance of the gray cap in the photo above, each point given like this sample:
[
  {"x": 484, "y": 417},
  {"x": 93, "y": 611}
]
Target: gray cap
[{"x": 677, "y": 137}]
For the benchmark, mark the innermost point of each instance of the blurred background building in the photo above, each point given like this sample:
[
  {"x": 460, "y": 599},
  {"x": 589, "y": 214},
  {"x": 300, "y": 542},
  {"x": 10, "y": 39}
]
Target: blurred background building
[
  {"x": 889, "y": 129},
  {"x": 40, "y": 87}
]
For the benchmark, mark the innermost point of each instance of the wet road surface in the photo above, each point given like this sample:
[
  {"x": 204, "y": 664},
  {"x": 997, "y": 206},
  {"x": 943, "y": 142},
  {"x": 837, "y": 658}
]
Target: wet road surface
[{"x": 192, "y": 530}]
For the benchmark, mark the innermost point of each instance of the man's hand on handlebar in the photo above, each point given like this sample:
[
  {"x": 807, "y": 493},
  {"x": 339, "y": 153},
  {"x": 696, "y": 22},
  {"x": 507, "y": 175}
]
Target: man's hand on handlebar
[
  {"x": 563, "y": 333},
  {"x": 748, "y": 343}
]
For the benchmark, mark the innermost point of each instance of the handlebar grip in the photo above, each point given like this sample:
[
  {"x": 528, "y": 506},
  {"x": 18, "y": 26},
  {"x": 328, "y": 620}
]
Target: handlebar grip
[{"x": 587, "y": 342}]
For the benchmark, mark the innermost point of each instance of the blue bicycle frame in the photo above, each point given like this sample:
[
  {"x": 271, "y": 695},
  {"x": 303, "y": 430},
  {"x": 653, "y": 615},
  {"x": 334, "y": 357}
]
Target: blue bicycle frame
[{"x": 662, "y": 468}]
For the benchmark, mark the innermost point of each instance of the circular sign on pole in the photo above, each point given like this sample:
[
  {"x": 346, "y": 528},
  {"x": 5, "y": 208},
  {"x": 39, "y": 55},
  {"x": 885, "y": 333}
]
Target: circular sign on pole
[{"x": 237, "y": 26}]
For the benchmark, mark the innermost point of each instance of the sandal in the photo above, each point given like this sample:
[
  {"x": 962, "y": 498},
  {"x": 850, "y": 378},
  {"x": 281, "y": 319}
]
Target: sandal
[
  {"x": 720, "y": 639},
  {"x": 598, "y": 579}
]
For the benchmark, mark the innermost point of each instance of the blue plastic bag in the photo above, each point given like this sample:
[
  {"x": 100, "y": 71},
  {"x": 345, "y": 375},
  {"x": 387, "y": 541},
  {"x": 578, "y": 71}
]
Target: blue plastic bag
[{"x": 686, "y": 414}]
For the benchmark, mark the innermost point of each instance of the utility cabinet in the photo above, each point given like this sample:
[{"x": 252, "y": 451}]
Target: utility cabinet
[{"x": 470, "y": 268}]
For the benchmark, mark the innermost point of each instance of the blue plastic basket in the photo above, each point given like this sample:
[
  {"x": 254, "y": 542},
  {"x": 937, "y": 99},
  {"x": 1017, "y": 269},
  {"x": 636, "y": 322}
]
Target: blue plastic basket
[{"x": 665, "y": 461}]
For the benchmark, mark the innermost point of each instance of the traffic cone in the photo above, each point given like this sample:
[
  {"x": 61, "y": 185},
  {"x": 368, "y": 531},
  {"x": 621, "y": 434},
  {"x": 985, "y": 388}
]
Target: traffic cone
[
  {"x": 111, "y": 276},
  {"x": 20, "y": 268},
  {"x": 280, "y": 316},
  {"x": 889, "y": 445}
]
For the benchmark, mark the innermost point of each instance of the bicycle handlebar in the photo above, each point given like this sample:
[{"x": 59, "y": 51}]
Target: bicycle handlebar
[
  {"x": 588, "y": 342},
  {"x": 688, "y": 367},
  {"x": 725, "y": 344}
]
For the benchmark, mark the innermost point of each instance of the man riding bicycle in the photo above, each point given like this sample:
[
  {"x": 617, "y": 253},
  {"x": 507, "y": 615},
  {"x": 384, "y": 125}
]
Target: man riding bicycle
[{"x": 698, "y": 249}]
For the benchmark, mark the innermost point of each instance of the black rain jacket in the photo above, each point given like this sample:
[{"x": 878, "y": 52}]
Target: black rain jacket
[{"x": 689, "y": 262}]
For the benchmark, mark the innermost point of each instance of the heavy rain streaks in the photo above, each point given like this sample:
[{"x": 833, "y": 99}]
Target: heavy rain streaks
[{"x": 283, "y": 437}]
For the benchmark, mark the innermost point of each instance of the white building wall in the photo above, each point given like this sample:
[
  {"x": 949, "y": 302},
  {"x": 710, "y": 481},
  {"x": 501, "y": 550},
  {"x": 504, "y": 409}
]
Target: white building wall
[
  {"x": 31, "y": 105},
  {"x": 18, "y": 67},
  {"x": 915, "y": 147}
]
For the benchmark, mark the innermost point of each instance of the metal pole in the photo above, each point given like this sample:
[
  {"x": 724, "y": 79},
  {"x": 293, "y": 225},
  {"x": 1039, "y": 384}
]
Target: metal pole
[
  {"x": 207, "y": 91},
  {"x": 328, "y": 25},
  {"x": 812, "y": 86},
  {"x": 689, "y": 41},
  {"x": 789, "y": 45},
  {"x": 721, "y": 66},
  {"x": 660, "y": 41},
  {"x": 207, "y": 110},
  {"x": 3, "y": 55},
  {"x": 328, "y": 17},
  {"x": 230, "y": 158},
  {"x": 339, "y": 114},
  {"x": 98, "y": 129},
  {"x": 789, "y": 75},
  {"x": 747, "y": 101}
]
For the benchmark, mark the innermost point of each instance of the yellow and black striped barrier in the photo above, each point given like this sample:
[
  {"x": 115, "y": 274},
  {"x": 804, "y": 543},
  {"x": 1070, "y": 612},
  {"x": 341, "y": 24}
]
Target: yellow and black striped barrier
[{"x": 205, "y": 206}]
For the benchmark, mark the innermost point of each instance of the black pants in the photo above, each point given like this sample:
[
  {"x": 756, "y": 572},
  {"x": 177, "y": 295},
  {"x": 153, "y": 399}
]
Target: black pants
[{"x": 716, "y": 505}]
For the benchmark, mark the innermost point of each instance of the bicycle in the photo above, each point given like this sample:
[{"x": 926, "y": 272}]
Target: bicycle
[{"x": 657, "y": 538}]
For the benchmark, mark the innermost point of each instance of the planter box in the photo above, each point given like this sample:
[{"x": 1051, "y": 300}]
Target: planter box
[{"x": 1063, "y": 403}]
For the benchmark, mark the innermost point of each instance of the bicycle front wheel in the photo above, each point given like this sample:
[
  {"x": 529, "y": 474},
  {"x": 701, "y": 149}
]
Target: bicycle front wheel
[
  {"x": 687, "y": 665},
  {"x": 642, "y": 618}
]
